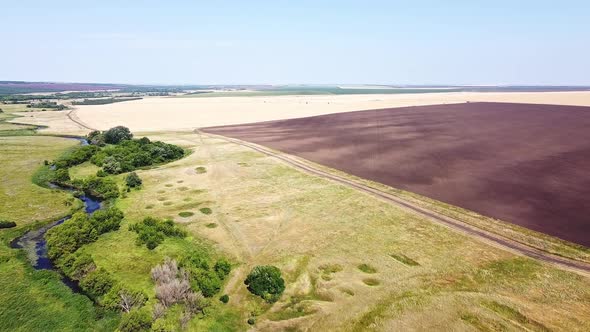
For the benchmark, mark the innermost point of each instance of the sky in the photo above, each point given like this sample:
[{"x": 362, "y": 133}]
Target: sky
[{"x": 297, "y": 42}]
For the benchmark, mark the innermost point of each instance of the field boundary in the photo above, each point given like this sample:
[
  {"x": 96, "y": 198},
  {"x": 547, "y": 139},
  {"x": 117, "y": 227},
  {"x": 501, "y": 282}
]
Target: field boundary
[{"x": 452, "y": 223}]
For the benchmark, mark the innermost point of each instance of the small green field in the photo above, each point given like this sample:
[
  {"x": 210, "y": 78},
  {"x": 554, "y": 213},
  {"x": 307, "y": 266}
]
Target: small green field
[
  {"x": 21, "y": 200},
  {"x": 36, "y": 300}
]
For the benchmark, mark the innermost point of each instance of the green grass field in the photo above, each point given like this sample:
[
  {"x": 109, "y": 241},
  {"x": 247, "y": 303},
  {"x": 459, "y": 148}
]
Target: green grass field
[
  {"x": 36, "y": 300},
  {"x": 22, "y": 201}
]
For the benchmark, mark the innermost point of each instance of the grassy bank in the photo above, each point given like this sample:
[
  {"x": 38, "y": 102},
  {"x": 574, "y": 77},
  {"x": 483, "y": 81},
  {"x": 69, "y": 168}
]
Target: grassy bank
[{"x": 33, "y": 300}]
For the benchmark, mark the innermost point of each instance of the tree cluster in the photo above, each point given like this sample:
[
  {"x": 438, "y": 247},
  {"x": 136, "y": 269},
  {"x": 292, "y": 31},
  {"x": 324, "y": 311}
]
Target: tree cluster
[
  {"x": 152, "y": 231},
  {"x": 79, "y": 230},
  {"x": 266, "y": 282},
  {"x": 101, "y": 187},
  {"x": 129, "y": 155}
]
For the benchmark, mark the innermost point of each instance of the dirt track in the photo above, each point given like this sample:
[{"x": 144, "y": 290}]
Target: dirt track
[
  {"x": 491, "y": 238},
  {"x": 522, "y": 163}
]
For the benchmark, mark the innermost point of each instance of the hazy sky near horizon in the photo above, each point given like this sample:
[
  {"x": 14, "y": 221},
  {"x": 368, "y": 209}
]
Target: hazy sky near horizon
[{"x": 314, "y": 42}]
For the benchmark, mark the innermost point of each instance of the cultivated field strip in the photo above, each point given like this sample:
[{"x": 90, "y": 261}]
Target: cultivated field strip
[{"x": 497, "y": 240}]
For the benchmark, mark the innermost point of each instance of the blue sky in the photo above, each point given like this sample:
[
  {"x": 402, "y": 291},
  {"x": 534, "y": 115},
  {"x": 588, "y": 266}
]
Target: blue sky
[{"x": 313, "y": 42}]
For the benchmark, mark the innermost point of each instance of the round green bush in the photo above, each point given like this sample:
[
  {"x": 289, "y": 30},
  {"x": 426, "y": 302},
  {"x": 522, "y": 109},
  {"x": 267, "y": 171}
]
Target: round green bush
[
  {"x": 251, "y": 321},
  {"x": 7, "y": 224},
  {"x": 224, "y": 298},
  {"x": 266, "y": 282},
  {"x": 206, "y": 210},
  {"x": 186, "y": 214}
]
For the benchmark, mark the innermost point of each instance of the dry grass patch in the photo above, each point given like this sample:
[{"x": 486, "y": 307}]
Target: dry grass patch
[{"x": 286, "y": 215}]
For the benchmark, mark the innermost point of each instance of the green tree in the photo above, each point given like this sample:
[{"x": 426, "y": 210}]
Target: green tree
[
  {"x": 135, "y": 321},
  {"x": 117, "y": 134},
  {"x": 133, "y": 180},
  {"x": 97, "y": 283},
  {"x": 61, "y": 176},
  {"x": 266, "y": 282}
]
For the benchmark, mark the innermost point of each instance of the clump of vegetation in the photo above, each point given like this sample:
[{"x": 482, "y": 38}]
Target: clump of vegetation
[
  {"x": 117, "y": 134},
  {"x": 48, "y": 104},
  {"x": 95, "y": 137},
  {"x": 371, "y": 282},
  {"x": 103, "y": 101},
  {"x": 7, "y": 224},
  {"x": 173, "y": 286},
  {"x": 201, "y": 170},
  {"x": 97, "y": 283},
  {"x": 404, "y": 259},
  {"x": 211, "y": 225},
  {"x": 136, "y": 320},
  {"x": 266, "y": 282},
  {"x": 81, "y": 229},
  {"x": 133, "y": 180},
  {"x": 128, "y": 155},
  {"x": 186, "y": 214},
  {"x": 102, "y": 187},
  {"x": 326, "y": 271},
  {"x": 76, "y": 156},
  {"x": 206, "y": 210},
  {"x": 367, "y": 268},
  {"x": 224, "y": 298},
  {"x": 152, "y": 231}
]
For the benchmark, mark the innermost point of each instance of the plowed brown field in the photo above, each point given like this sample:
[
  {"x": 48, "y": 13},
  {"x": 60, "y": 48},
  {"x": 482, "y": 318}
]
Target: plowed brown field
[{"x": 528, "y": 164}]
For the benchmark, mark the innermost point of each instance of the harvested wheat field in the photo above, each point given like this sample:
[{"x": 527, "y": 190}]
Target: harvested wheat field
[
  {"x": 521, "y": 163},
  {"x": 170, "y": 113}
]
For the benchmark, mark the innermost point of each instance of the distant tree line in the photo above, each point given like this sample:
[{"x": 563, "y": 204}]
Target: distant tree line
[
  {"x": 103, "y": 101},
  {"x": 48, "y": 104}
]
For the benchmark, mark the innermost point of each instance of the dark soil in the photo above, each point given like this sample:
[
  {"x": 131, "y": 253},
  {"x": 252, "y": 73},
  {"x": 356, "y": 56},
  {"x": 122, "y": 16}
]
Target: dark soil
[{"x": 523, "y": 163}]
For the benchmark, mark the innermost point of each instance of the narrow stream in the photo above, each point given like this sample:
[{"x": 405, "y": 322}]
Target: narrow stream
[{"x": 36, "y": 246}]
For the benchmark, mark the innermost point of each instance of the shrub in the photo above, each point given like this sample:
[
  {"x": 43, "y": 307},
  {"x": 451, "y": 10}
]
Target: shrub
[
  {"x": 105, "y": 188},
  {"x": 222, "y": 268},
  {"x": 224, "y": 298},
  {"x": 75, "y": 157},
  {"x": 251, "y": 320},
  {"x": 152, "y": 231},
  {"x": 135, "y": 321},
  {"x": 7, "y": 224},
  {"x": 133, "y": 180},
  {"x": 186, "y": 214},
  {"x": 206, "y": 210},
  {"x": 97, "y": 283},
  {"x": 119, "y": 298},
  {"x": 101, "y": 173},
  {"x": 117, "y": 134},
  {"x": 106, "y": 220},
  {"x": 95, "y": 138},
  {"x": 266, "y": 282},
  {"x": 79, "y": 230},
  {"x": 367, "y": 268},
  {"x": 61, "y": 176},
  {"x": 111, "y": 166},
  {"x": 77, "y": 265},
  {"x": 208, "y": 282},
  {"x": 131, "y": 154}
]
